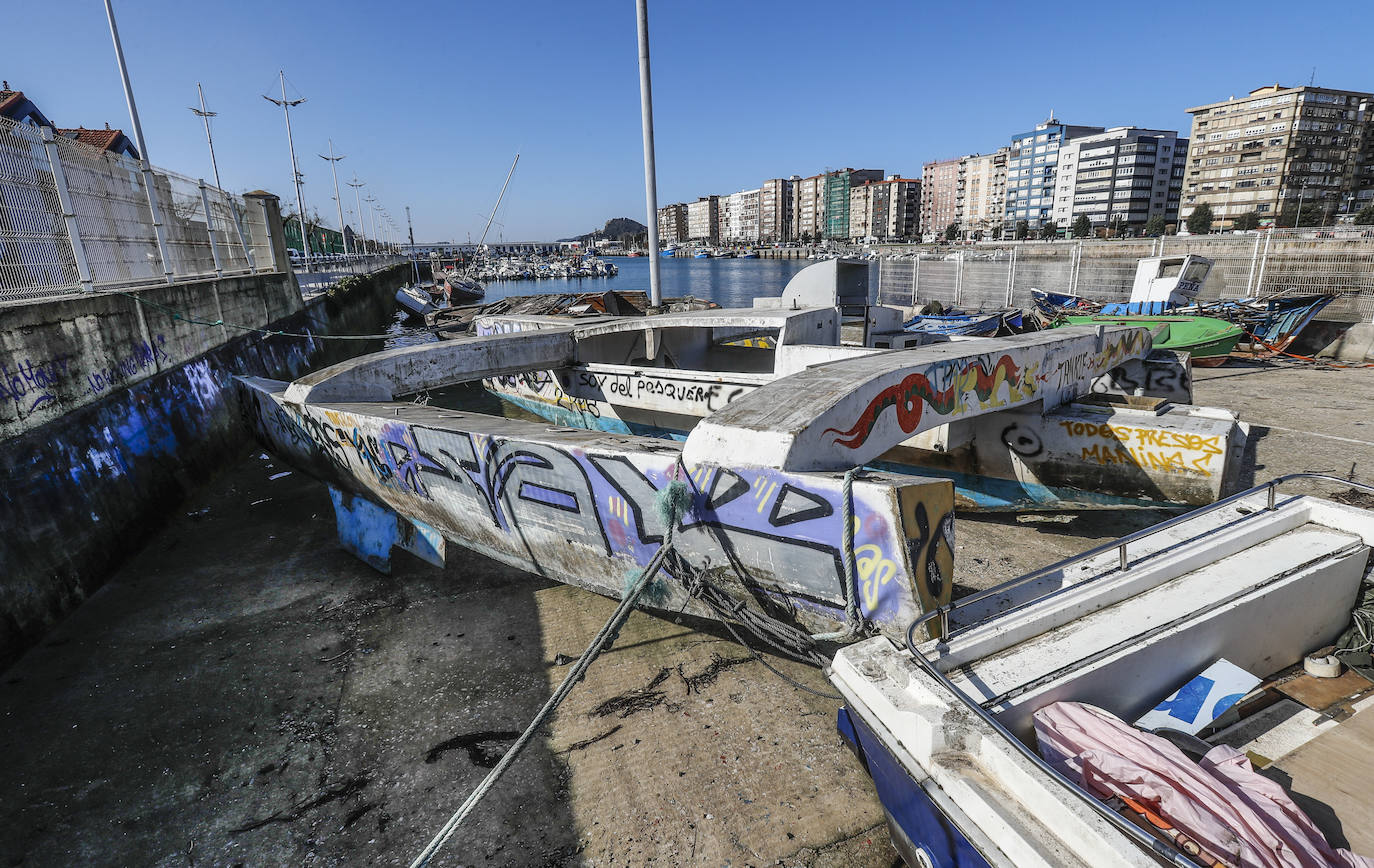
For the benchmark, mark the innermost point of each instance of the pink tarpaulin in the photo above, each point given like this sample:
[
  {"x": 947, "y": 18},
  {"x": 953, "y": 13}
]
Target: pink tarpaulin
[{"x": 1234, "y": 813}]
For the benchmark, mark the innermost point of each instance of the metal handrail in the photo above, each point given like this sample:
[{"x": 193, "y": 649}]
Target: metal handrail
[
  {"x": 943, "y": 612},
  {"x": 1121, "y": 823}
]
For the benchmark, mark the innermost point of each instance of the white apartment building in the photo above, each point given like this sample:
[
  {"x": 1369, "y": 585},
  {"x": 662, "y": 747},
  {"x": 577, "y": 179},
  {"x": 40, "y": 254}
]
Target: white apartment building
[
  {"x": 703, "y": 219},
  {"x": 809, "y": 208},
  {"x": 777, "y": 198},
  {"x": 983, "y": 194},
  {"x": 743, "y": 217},
  {"x": 1125, "y": 172}
]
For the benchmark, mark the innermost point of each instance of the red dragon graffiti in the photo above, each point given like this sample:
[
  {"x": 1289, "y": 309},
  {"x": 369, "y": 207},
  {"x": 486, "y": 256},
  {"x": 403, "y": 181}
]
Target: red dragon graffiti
[{"x": 915, "y": 391}]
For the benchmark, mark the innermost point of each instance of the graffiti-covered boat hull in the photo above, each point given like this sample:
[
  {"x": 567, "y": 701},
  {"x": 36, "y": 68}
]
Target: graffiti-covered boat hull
[{"x": 579, "y": 507}]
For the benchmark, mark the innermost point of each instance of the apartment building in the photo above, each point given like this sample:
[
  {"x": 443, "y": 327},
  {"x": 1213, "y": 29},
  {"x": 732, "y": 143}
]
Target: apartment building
[
  {"x": 838, "y": 185},
  {"x": 1032, "y": 170},
  {"x": 776, "y": 200},
  {"x": 672, "y": 223},
  {"x": 1279, "y": 149},
  {"x": 939, "y": 195},
  {"x": 742, "y": 212},
  {"x": 981, "y": 198},
  {"x": 1126, "y": 172},
  {"x": 809, "y": 209},
  {"x": 703, "y": 220},
  {"x": 885, "y": 210}
]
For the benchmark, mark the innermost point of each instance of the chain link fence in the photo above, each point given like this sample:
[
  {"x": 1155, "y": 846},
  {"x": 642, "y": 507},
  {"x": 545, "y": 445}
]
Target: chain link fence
[
  {"x": 75, "y": 217},
  {"x": 1298, "y": 261}
]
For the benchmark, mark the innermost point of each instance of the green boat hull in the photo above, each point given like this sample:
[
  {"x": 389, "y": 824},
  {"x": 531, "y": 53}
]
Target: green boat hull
[{"x": 1204, "y": 338}]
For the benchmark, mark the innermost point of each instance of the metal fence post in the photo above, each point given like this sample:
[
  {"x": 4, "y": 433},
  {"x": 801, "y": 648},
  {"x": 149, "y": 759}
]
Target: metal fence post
[
  {"x": 1264, "y": 261},
  {"x": 1073, "y": 267},
  {"x": 915, "y": 278},
  {"x": 1254, "y": 261},
  {"x": 83, "y": 268},
  {"x": 238, "y": 226},
  {"x": 1011, "y": 278},
  {"x": 210, "y": 229},
  {"x": 156, "y": 213},
  {"x": 959, "y": 281}
]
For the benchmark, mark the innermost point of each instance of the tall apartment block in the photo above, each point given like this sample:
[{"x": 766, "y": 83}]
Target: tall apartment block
[
  {"x": 672, "y": 223},
  {"x": 981, "y": 198},
  {"x": 742, "y": 217},
  {"x": 837, "y": 187},
  {"x": 885, "y": 210},
  {"x": 939, "y": 195},
  {"x": 1032, "y": 169},
  {"x": 776, "y": 199},
  {"x": 703, "y": 219},
  {"x": 1279, "y": 146},
  {"x": 1126, "y": 172},
  {"x": 809, "y": 209}
]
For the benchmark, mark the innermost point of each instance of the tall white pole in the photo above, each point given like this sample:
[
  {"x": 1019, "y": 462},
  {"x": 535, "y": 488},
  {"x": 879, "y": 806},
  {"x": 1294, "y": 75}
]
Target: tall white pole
[
  {"x": 145, "y": 166},
  {"x": 646, "y": 114},
  {"x": 373, "y": 208},
  {"x": 286, "y": 105},
  {"x": 334, "y": 167},
  {"x": 205, "y": 115},
  {"x": 357, "y": 185}
]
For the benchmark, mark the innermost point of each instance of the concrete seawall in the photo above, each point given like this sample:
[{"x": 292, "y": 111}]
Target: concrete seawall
[{"x": 113, "y": 410}]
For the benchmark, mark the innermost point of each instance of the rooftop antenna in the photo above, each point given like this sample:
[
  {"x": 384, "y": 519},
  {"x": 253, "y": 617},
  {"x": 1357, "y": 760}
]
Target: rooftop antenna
[{"x": 1313, "y": 80}]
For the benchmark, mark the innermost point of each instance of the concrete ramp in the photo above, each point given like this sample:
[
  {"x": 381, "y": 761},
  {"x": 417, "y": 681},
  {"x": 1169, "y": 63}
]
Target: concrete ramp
[
  {"x": 848, "y": 412},
  {"x": 405, "y": 370}
]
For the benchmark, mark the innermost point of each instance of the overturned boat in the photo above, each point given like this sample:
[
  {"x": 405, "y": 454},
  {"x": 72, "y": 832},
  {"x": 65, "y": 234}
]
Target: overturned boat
[
  {"x": 1129, "y": 437},
  {"x": 1112, "y": 709}
]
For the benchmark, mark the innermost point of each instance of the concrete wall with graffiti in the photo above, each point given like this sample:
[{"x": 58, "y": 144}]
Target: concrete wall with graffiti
[
  {"x": 112, "y": 414},
  {"x": 59, "y": 355},
  {"x": 580, "y": 507}
]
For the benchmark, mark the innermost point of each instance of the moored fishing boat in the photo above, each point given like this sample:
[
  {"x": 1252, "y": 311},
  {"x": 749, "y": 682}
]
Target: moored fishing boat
[{"x": 955, "y": 323}]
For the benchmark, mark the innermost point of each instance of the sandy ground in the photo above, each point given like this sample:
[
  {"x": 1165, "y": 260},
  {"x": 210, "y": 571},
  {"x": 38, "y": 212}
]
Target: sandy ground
[{"x": 245, "y": 693}]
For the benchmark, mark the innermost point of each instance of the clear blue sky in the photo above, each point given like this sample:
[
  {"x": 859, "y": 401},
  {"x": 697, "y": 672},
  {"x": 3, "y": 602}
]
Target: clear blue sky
[{"x": 431, "y": 100}]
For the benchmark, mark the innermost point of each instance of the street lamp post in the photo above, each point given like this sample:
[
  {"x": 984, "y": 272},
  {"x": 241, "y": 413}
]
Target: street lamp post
[
  {"x": 334, "y": 167},
  {"x": 286, "y": 106},
  {"x": 205, "y": 115},
  {"x": 356, "y": 184},
  {"x": 369, "y": 200},
  {"x": 144, "y": 166}
]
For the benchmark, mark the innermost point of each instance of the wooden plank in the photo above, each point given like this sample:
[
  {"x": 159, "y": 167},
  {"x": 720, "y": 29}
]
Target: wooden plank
[
  {"x": 1329, "y": 779},
  {"x": 1320, "y": 694}
]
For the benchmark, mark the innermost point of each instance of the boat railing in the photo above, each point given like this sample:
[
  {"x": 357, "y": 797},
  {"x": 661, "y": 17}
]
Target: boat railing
[{"x": 1145, "y": 839}]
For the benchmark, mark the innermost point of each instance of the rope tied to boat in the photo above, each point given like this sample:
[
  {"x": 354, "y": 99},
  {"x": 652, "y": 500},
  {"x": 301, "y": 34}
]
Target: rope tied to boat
[
  {"x": 672, "y": 502},
  {"x": 853, "y": 621}
]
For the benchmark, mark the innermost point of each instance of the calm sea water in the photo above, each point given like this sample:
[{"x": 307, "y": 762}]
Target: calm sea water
[{"x": 727, "y": 282}]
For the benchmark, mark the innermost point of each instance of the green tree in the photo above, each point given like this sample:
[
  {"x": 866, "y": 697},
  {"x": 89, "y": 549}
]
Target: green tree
[
  {"x": 1022, "y": 230},
  {"x": 952, "y": 232},
  {"x": 1311, "y": 216},
  {"x": 1049, "y": 230},
  {"x": 1082, "y": 226},
  {"x": 1200, "y": 221},
  {"x": 1155, "y": 226},
  {"x": 1117, "y": 226},
  {"x": 1247, "y": 222},
  {"x": 1365, "y": 217}
]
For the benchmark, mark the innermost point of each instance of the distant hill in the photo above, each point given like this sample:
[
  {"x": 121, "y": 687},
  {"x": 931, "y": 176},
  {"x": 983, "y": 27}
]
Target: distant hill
[{"x": 614, "y": 228}]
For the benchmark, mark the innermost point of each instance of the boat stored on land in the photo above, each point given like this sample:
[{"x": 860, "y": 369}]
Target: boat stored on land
[
  {"x": 1129, "y": 437},
  {"x": 1107, "y": 710},
  {"x": 954, "y": 323},
  {"x": 1209, "y": 341}
]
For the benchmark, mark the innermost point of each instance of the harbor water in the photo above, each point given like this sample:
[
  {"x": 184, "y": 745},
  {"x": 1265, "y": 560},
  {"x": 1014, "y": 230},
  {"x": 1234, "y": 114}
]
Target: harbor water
[{"x": 727, "y": 282}]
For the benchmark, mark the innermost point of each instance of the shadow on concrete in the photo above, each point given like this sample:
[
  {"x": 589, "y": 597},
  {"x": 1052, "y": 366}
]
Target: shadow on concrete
[{"x": 244, "y": 692}]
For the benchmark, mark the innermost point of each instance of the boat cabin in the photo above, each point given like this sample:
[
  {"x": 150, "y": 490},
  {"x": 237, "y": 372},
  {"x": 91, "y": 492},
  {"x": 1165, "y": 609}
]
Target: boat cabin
[{"x": 1170, "y": 281}]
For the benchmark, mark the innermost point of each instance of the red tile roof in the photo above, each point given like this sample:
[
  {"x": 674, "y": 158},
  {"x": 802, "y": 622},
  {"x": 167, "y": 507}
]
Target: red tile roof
[
  {"x": 9, "y": 98},
  {"x": 103, "y": 139}
]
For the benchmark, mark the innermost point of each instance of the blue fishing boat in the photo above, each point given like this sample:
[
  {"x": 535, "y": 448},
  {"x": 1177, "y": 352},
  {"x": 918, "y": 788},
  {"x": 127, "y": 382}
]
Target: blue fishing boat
[
  {"x": 702, "y": 254},
  {"x": 956, "y": 323}
]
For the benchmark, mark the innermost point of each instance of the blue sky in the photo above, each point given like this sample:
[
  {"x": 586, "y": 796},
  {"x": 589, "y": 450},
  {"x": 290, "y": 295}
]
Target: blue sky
[{"x": 431, "y": 100}]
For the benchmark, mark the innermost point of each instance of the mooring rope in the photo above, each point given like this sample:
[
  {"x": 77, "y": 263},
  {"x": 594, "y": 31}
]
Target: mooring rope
[
  {"x": 673, "y": 501},
  {"x": 853, "y": 623}
]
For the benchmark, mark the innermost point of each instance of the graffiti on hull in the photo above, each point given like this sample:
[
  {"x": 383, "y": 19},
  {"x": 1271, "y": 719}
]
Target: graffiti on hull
[{"x": 572, "y": 513}]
